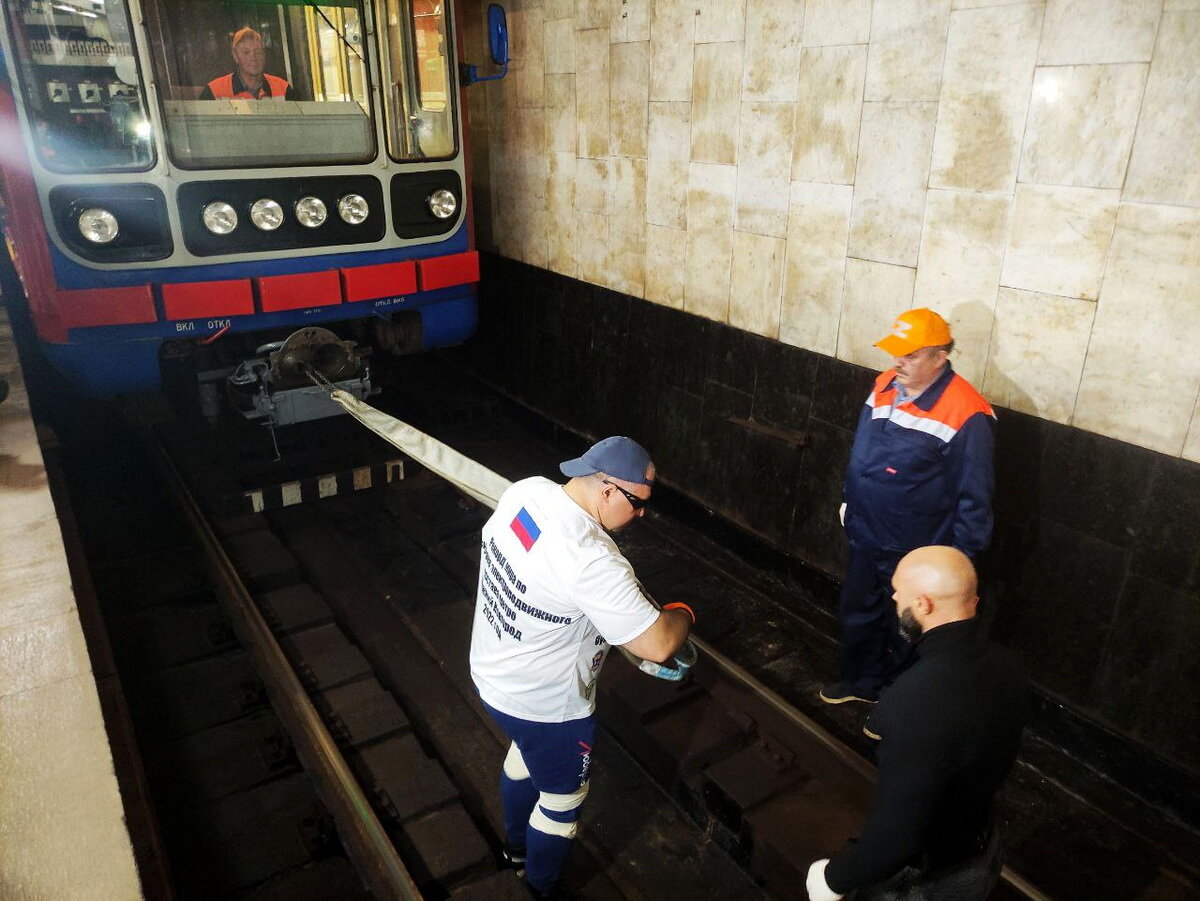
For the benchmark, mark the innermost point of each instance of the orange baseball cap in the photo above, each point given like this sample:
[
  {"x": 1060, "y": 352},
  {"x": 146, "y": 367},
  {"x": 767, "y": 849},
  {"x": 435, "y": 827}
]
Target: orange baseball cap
[{"x": 914, "y": 330}]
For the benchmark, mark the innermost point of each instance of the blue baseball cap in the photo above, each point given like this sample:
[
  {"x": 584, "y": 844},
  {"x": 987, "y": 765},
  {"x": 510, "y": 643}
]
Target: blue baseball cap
[{"x": 617, "y": 456}]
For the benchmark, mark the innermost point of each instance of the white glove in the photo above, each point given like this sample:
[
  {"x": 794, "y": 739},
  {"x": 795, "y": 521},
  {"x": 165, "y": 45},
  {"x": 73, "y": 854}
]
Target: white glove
[
  {"x": 842, "y": 514},
  {"x": 818, "y": 888}
]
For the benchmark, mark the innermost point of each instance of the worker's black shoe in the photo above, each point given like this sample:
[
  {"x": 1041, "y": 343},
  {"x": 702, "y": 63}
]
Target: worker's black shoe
[
  {"x": 841, "y": 693},
  {"x": 512, "y": 858}
]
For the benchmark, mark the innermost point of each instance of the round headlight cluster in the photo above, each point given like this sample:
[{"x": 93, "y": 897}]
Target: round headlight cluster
[
  {"x": 266, "y": 214},
  {"x": 353, "y": 209},
  {"x": 311, "y": 211},
  {"x": 219, "y": 217},
  {"x": 98, "y": 225},
  {"x": 442, "y": 203}
]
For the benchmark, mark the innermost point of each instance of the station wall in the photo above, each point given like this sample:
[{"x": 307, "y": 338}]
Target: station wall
[{"x": 704, "y": 213}]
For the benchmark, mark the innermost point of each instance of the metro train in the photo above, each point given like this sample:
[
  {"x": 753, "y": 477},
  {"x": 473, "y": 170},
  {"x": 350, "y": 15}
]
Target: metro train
[{"x": 184, "y": 178}]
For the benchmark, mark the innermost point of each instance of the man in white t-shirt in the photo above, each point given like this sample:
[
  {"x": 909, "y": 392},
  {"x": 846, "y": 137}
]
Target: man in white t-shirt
[{"x": 555, "y": 594}]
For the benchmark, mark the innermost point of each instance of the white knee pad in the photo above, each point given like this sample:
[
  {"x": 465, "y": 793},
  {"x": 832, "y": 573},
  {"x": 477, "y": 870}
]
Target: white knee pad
[
  {"x": 514, "y": 764},
  {"x": 559, "y": 804}
]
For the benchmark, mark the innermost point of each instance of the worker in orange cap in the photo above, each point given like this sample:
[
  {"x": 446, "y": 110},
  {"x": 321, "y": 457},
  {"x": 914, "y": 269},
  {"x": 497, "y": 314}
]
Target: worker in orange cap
[{"x": 920, "y": 474}]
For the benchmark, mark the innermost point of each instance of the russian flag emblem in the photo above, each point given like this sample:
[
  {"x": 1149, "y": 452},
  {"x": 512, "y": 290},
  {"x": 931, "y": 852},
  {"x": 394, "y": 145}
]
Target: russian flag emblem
[{"x": 525, "y": 528}]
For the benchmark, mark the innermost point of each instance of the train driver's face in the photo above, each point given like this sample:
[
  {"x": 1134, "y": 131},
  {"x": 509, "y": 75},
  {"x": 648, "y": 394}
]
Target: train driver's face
[{"x": 250, "y": 56}]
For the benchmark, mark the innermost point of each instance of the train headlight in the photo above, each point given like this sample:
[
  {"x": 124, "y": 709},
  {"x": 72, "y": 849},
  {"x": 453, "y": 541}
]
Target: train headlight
[
  {"x": 311, "y": 212},
  {"x": 266, "y": 214},
  {"x": 98, "y": 225},
  {"x": 219, "y": 217},
  {"x": 442, "y": 203},
  {"x": 353, "y": 209}
]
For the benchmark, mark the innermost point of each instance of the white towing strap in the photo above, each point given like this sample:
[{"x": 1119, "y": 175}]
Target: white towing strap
[{"x": 486, "y": 487}]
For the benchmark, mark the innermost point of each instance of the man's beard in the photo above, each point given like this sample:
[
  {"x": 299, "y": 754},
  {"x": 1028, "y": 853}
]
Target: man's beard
[{"x": 910, "y": 629}]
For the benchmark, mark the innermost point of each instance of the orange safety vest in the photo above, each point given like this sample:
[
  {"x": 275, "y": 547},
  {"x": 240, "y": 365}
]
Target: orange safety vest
[{"x": 222, "y": 88}]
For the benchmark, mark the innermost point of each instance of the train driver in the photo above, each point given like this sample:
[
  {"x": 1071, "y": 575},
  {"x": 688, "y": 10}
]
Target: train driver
[{"x": 248, "y": 81}]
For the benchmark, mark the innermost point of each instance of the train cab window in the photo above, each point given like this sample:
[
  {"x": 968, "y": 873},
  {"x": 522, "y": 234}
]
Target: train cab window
[
  {"x": 82, "y": 90},
  {"x": 421, "y": 92},
  {"x": 248, "y": 84}
]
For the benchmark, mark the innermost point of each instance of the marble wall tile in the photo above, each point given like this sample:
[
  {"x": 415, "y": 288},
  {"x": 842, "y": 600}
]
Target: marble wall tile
[
  {"x": 591, "y": 185},
  {"x": 772, "y": 50},
  {"x": 1177, "y": 5},
  {"x": 720, "y": 20},
  {"x": 630, "y": 93},
  {"x": 874, "y": 295},
  {"x": 1140, "y": 378},
  {"x": 631, "y": 20},
  {"x": 591, "y": 105},
  {"x": 1098, "y": 31},
  {"x": 962, "y": 246},
  {"x": 764, "y": 160},
  {"x": 829, "y": 22},
  {"x": 976, "y": 4},
  {"x": 1080, "y": 127},
  {"x": 1163, "y": 166},
  {"x": 711, "y": 192},
  {"x": 1191, "y": 446},
  {"x": 1037, "y": 349},
  {"x": 818, "y": 229},
  {"x": 889, "y": 188},
  {"x": 666, "y": 265},
  {"x": 560, "y": 204},
  {"x": 985, "y": 95},
  {"x": 1058, "y": 239},
  {"x": 591, "y": 247},
  {"x": 627, "y": 226},
  {"x": 716, "y": 91},
  {"x": 667, "y": 164},
  {"x": 560, "y": 46},
  {"x": 756, "y": 283},
  {"x": 828, "y": 113},
  {"x": 527, "y": 53},
  {"x": 561, "y": 127},
  {"x": 593, "y": 13},
  {"x": 908, "y": 47},
  {"x": 554, "y": 9},
  {"x": 672, "y": 34}
]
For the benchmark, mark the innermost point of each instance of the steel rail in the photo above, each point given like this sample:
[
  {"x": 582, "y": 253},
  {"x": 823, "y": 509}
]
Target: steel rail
[{"x": 366, "y": 842}]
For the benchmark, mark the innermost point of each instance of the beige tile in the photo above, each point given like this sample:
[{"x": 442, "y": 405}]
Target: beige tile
[
  {"x": 1191, "y": 447},
  {"x": 1078, "y": 32},
  {"x": 631, "y": 20},
  {"x": 560, "y": 203},
  {"x": 962, "y": 246},
  {"x": 36, "y": 589},
  {"x": 764, "y": 160},
  {"x": 527, "y": 65},
  {"x": 534, "y": 232},
  {"x": 985, "y": 97},
  {"x": 629, "y": 96},
  {"x": 818, "y": 228},
  {"x": 666, "y": 265},
  {"x": 591, "y": 185},
  {"x": 908, "y": 47},
  {"x": 1080, "y": 127},
  {"x": 591, "y": 104},
  {"x": 828, "y": 22},
  {"x": 627, "y": 226},
  {"x": 591, "y": 247},
  {"x": 874, "y": 295},
  {"x": 1163, "y": 166},
  {"x": 561, "y": 127},
  {"x": 1037, "y": 349},
  {"x": 976, "y": 4},
  {"x": 558, "y": 9},
  {"x": 828, "y": 113},
  {"x": 560, "y": 46},
  {"x": 756, "y": 283},
  {"x": 1058, "y": 239},
  {"x": 22, "y": 507},
  {"x": 711, "y": 192},
  {"x": 59, "y": 802},
  {"x": 1178, "y": 5},
  {"x": 672, "y": 34},
  {"x": 772, "y": 50},
  {"x": 667, "y": 164},
  {"x": 593, "y": 13},
  {"x": 39, "y": 652},
  {"x": 889, "y": 188},
  {"x": 716, "y": 89},
  {"x": 1140, "y": 378},
  {"x": 720, "y": 20}
]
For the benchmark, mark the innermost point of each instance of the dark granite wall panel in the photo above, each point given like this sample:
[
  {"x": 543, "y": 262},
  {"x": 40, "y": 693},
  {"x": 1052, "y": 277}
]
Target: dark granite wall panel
[{"x": 1094, "y": 571}]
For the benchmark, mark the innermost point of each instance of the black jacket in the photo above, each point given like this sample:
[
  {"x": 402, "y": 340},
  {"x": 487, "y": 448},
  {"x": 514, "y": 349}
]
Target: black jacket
[{"x": 950, "y": 727}]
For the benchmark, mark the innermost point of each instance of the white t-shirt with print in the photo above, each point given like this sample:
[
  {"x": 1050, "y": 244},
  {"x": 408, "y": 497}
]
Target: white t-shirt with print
[{"x": 554, "y": 594}]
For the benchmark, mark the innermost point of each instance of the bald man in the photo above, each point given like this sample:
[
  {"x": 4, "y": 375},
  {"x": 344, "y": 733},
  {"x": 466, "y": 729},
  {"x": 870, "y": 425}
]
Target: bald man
[{"x": 948, "y": 728}]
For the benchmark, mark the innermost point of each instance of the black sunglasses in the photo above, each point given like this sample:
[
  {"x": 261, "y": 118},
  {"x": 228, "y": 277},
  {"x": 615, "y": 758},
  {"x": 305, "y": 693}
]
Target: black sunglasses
[{"x": 634, "y": 501}]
